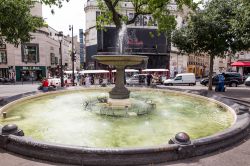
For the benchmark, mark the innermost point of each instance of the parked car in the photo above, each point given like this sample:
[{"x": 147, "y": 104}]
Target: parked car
[
  {"x": 246, "y": 76},
  {"x": 232, "y": 79},
  {"x": 136, "y": 79},
  {"x": 247, "y": 81},
  {"x": 183, "y": 78}
]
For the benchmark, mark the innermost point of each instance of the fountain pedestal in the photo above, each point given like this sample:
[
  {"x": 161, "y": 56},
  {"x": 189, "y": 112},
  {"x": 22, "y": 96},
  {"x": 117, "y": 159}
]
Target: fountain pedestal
[
  {"x": 120, "y": 62},
  {"x": 119, "y": 91}
]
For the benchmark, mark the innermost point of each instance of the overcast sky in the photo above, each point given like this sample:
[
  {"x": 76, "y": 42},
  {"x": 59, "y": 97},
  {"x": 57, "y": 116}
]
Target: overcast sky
[{"x": 72, "y": 13}]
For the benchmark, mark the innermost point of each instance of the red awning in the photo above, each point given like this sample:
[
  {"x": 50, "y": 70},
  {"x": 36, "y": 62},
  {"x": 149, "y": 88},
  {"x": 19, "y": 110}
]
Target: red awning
[{"x": 241, "y": 64}]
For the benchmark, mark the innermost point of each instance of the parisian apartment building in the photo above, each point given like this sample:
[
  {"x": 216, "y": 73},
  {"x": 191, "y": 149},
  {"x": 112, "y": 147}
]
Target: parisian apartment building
[{"x": 39, "y": 58}]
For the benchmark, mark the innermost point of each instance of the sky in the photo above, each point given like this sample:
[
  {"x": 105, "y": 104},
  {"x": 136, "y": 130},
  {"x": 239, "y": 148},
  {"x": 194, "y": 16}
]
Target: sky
[{"x": 72, "y": 13}]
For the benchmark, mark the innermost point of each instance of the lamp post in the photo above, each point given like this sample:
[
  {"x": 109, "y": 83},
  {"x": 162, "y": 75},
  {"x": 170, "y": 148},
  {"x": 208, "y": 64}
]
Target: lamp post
[
  {"x": 60, "y": 38},
  {"x": 71, "y": 28}
]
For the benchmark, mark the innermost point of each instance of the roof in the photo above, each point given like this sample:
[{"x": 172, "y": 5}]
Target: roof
[
  {"x": 185, "y": 74},
  {"x": 154, "y": 70},
  {"x": 70, "y": 72},
  {"x": 93, "y": 71},
  {"x": 127, "y": 70}
]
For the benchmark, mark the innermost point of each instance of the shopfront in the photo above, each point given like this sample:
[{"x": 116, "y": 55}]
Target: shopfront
[
  {"x": 30, "y": 73},
  {"x": 243, "y": 67}
]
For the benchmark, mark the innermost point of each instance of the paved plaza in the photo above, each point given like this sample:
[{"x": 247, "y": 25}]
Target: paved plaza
[{"x": 237, "y": 155}]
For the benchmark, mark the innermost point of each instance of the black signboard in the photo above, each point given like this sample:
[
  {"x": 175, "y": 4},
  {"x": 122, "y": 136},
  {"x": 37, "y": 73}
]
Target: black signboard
[{"x": 137, "y": 40}]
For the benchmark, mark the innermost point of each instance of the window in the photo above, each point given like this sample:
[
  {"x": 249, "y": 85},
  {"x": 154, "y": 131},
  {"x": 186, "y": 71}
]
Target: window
[
  {"x": 3, "y": 56},
  {"x": 178, "y": 78},
  {"x": 30, "y": 53},
  {"x": 52, "y": 58},
  {"x": 56, "y": 60}
]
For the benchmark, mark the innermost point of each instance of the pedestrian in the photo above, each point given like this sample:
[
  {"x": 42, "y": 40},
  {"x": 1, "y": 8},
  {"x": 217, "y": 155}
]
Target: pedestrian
[
  {"x": 87, "y": 81},
  {"x": 220, "y": 87},
  {"x": 149, "y": 77},
  {"x": 45, "y": 85}
]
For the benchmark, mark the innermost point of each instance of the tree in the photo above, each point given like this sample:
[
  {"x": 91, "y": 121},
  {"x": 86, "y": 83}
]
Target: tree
[
  {"x": 211, "y": 32},
  {"x": 111, "y": 12},
  {"x": 241, "y": 23},
  {"x": 16, "y": 21}
]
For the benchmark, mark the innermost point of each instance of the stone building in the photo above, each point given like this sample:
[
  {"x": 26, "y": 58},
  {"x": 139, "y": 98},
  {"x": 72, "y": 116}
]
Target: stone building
[{"x": 36, "y": 59}]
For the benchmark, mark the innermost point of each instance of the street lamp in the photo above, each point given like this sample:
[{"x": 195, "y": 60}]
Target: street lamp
[
  {"x": 71, "y": 28},
  {"x": 60, "y": 38}
]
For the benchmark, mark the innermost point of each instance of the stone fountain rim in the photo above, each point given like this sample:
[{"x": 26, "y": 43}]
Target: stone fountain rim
[{"x": 124, "y": 156}]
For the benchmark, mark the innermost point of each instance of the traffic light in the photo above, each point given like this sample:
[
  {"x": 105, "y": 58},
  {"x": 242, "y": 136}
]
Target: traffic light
[{"x": 73, "y": 56}]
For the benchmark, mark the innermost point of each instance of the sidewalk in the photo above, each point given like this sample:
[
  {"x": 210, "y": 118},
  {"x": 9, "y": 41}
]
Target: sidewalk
[{"x": 237, "y": 155}]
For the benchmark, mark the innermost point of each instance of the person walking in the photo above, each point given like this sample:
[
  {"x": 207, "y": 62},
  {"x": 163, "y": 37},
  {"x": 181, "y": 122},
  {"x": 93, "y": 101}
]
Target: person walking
[
  {"x": 149, "y": 77},
  {"x": 87, "y": 81}
]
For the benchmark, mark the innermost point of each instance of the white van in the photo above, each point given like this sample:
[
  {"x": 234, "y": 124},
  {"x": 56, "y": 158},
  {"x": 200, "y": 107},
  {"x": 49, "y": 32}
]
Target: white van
[{"x": 183, "y": 78}]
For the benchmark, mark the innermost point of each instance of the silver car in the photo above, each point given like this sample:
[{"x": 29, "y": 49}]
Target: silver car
[{"x": 247, "y": 81}]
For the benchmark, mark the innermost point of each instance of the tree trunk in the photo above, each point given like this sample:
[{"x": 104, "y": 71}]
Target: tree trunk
[
  {"x": 211, "y": 69},
  {"x": 116, "y": 17}
]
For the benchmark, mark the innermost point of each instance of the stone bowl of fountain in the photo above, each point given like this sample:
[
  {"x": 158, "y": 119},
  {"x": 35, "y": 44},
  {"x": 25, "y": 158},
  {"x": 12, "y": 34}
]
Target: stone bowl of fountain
[{"x": 65, "y": 126}]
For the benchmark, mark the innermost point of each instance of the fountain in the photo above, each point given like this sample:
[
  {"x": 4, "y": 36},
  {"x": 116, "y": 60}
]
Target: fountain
[
  {"x": 119, "y": 95},
  {"x": 59, "y": 127}
]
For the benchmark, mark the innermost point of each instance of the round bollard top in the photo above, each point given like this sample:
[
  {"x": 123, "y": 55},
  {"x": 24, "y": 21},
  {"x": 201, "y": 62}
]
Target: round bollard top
[
  {"x": 182, "y": 137},
  {"x": 9, "y": 128}
]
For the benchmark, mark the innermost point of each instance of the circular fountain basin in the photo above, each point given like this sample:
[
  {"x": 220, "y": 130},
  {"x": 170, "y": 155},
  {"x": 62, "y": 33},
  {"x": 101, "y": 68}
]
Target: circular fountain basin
[{"x": 58, "y": 128}]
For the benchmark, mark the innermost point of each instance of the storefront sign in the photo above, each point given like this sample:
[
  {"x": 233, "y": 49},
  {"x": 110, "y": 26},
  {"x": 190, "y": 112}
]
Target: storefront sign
[{"x": 30, "y": 68}]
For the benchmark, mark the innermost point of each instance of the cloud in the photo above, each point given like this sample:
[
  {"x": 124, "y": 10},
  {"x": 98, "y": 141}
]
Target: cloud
[{"x": 72, "y": 13}]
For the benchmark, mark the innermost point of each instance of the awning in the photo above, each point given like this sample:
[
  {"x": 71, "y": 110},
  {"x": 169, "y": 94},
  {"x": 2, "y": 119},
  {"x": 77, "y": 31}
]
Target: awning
[
  {"x": 241, "y": 64},
  {"x": 93, "y": 71}
]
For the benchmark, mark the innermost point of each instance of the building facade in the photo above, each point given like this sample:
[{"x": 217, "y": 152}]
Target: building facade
[
  {"x": 36, "y": 59},
  {"x": 141, "y": 39},
  {"x": 82, "y": 49}
]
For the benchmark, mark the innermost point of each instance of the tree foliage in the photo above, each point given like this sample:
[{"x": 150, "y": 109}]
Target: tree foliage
[
  {"x": 16, "y": 21},
  {"x": 241, "y": 23},
  {"x": 111, "y": 12},
  {"x": 219, "y": 28}
]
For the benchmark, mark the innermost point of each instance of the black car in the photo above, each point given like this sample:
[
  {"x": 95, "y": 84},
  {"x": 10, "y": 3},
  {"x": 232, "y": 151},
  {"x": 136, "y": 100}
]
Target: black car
[{"x": 231, "y": 78}]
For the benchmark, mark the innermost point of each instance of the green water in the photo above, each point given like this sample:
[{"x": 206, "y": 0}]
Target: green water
[{"x": 61, "y": 118}]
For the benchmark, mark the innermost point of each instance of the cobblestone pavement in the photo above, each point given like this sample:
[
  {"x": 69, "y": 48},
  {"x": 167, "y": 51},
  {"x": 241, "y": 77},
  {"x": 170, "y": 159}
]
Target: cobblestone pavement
[{"x": 237, "y": 155}]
